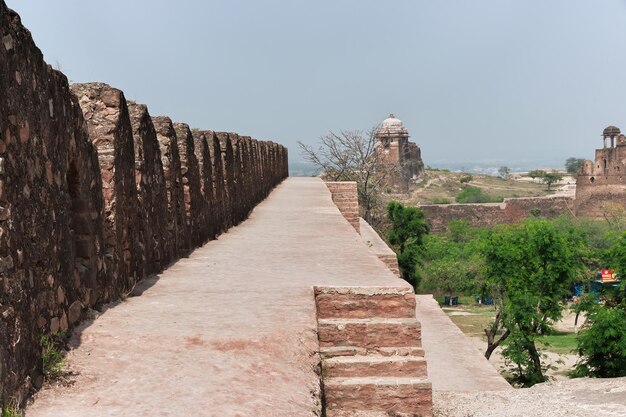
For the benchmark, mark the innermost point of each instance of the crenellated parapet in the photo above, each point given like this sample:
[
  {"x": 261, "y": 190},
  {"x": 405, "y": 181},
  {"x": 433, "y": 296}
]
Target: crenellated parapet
[{"x": 95, "y": 194}]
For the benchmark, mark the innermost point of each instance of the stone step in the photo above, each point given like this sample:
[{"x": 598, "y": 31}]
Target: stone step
[
  {"x": 338, "y": 351},
  {"x": 375, "y": 365},
  {"x": 369, "y": 333},
  {"x": 364, "y": 302},
  {"x": 396, "y": 396}
]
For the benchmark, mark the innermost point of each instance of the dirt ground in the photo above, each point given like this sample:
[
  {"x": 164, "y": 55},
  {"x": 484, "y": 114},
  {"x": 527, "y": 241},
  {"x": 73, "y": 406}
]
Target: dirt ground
[
  {"x": 472, "y": 320},
  {"x": 561, "y": 396},
  {"x": 572, "y": 398}
]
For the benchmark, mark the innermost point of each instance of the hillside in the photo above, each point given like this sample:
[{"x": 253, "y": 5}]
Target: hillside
[{"x": 442, "y": 186}]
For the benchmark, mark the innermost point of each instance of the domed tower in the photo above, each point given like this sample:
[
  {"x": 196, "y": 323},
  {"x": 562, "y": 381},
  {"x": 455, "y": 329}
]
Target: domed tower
[
  {"x": 402, "y": 158},
  {"x": 601, "y": 183}
]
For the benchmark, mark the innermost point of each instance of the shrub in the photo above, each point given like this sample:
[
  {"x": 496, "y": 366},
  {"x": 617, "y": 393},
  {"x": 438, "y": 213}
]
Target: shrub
[
  {"x": 408, "y": 228},
  {"x": 603, "y": 345},
  {"x": 466, "y": 179},
  {"x": 475, "y": 195}
]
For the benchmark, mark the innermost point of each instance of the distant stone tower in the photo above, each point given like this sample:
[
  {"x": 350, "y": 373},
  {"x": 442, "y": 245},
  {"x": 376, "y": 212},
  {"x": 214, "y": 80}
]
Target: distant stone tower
[
  {"x": 404, "y": 158},
  {"x": 604, "y": 180}
]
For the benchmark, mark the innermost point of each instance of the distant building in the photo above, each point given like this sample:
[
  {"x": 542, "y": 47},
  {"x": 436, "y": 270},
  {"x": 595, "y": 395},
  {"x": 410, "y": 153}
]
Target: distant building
[
  {"x": 604, "y": 180},
  {"x": 401, "y": 157}
]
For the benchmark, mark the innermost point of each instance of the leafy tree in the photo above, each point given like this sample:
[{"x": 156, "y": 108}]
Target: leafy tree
[
  {"x": 529, "y": 269},
  {"x": 603, "y": 344},
  {"x": 550, "y": 178},
  {"x": 573, "y": 165},
  {"x": 407, "y": 232},
  {"x": 504, "y": 171},
  {"x": 452, "y": 261},
  {"x": 536, "y": 173}
]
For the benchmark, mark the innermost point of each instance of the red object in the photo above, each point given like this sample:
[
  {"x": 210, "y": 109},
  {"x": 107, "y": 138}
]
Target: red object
[{"x": 608, "y": 275}]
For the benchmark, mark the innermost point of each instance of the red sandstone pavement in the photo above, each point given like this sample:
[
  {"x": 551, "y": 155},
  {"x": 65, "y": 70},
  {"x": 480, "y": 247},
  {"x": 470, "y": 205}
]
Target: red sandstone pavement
[
  {"x": 229, "y": 331},
  {"x": 454, "y": 363}
]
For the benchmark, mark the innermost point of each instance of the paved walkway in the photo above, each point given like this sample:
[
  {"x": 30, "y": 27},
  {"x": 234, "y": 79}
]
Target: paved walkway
[
  {"x": 454, "y": 363},
  {"x": 229, "y": 331}
]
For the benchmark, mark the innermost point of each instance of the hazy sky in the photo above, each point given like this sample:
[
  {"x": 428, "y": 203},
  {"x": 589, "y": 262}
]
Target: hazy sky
[{"x": 473, "y": 80}]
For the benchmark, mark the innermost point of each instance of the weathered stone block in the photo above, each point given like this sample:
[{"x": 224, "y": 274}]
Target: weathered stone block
[
  {"x": 374, "y": 365},
  {"x": 370, "y": 333},
  {"x": 409, "y": 396},
  {"x": 364, "y": 302}
]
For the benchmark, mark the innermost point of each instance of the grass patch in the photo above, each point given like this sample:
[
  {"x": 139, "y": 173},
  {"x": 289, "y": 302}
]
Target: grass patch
[
  {"x": 52, "y": 357},
  {"x": 472, "y": 194},
  {"x": 11, "y": 411},
  {"x": 562, "y": 343},
  {"x": 476, "y": 320},
  {"x": 440, "y": 200}
]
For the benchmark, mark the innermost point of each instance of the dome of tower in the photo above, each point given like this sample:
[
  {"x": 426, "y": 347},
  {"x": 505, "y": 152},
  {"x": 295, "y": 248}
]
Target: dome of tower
[
  {"x": 392, "y": 122},
  {"x": 611, "y": 131},
  {"x": 392, "y": 126}
]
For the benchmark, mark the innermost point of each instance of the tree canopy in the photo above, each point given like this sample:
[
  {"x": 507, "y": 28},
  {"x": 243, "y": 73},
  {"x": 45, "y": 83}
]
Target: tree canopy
[
  {"x": 407, "y": 232},
  {"x": 529, "y": 267},
  {"x": 573, "y": 165}
]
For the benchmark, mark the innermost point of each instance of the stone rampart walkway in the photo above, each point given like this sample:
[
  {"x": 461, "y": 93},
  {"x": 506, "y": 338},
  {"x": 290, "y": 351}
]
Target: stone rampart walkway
[
  {"x": 229, "y": 331},
  {"x": 454, "y": 363}
]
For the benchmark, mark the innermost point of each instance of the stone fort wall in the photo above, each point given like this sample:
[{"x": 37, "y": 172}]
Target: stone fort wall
[
  {"x": 95, "y": 194},
  {"x": 602, "y": 182},
  {"x": 510, "y": 211}
]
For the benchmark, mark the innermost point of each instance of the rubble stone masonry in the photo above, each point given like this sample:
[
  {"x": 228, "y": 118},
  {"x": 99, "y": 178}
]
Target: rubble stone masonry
[
  {"x": 152, "y": 201},
  {"x": 170, "y": 156},
  {"x": 191, "y": 182},
  {"x": 91, "y": 195}
]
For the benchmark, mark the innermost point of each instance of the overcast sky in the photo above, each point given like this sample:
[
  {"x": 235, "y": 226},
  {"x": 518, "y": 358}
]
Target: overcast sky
[{"x": 473, "y": 80}]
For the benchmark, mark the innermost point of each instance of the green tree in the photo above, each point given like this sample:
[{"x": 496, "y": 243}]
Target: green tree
[
  {"x": 550, "y": 178},
  {"x": 406, "y": 234},
  {"x": 504, "y": 172},
  {"x": 452, "y": 261},
  {"x": 529, "y": 269},
  {"x": 536, "y": 173},
  {"x": 573, "y": 165},
  {"x": 602, "y": 346}
]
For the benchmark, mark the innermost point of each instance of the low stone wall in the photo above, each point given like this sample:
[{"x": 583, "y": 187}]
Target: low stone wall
[
  {"x": 346, "y": 198},
  {"x": 86, "y": 206},
  {"x": 511, "y": 211},
  {"x": 378, "y": 246}
]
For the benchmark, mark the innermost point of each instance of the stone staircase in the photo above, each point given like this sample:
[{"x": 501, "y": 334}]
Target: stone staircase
[{"x": 370, "y": 347}]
